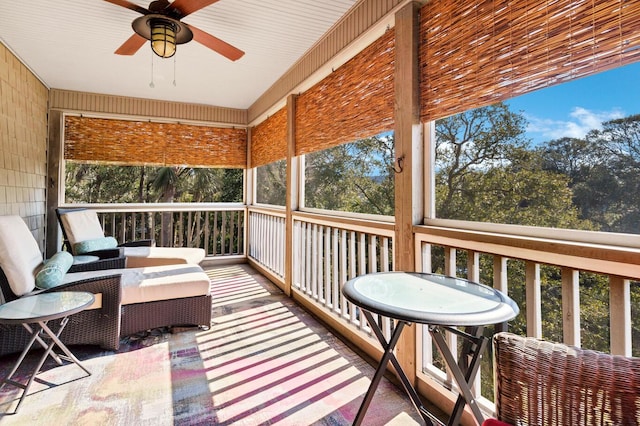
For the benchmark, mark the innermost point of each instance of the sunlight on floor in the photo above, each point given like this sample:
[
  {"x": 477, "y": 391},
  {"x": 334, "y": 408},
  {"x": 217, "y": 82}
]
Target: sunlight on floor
[
  {"x": 232, "y": 285},
  {"x": 268, "y": 362}
]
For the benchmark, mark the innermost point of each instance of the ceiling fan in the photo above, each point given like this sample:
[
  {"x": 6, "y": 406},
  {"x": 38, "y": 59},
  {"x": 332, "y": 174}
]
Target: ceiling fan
[{"x": 161, "y": 24}]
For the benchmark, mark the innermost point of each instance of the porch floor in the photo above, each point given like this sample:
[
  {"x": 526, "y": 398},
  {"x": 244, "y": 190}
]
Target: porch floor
[{"x": 264, "y": 361}]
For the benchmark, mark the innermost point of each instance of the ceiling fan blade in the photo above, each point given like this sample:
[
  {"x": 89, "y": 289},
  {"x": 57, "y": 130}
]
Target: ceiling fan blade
[
  {"x": 186, "y": 7},
  {"x": 129, "y": 5},
  {"x": 131, "y": 46},
  {"x": 214, "y": 43}
]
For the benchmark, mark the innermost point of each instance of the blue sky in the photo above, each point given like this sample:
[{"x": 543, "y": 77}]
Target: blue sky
[{"x": 572, "y": 109}]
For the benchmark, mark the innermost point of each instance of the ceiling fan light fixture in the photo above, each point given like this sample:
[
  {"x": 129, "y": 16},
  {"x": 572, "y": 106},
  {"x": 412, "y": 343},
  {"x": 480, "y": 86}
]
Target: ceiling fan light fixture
[
  {"x": 163, "y": 38},
  {"x": 164, "y": 32}
]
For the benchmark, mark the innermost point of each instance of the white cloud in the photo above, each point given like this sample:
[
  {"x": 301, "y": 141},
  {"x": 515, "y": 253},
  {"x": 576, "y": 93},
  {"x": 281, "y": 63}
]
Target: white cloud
[{"x": 578, "y": 124}]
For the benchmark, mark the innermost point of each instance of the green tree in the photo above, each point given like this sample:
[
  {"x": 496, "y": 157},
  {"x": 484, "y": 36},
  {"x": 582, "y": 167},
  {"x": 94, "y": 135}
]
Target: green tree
[
  {"x": 354, "y": 177},
  {"x": 271, "y": 183},
  {"x": 93, "y": 183},
  {"x": 467, "y": 144},
  {"x": 618, "y": 146},
  {"x": 597, "y": 193}
]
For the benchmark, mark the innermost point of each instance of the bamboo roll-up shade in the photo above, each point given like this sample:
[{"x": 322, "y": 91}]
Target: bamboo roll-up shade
[
  {"x": 476, "y": 53},
  {"x": 269, "y": 140},
  {"x": 123, "y": 142},
  {"x": 354, "y": 102}
]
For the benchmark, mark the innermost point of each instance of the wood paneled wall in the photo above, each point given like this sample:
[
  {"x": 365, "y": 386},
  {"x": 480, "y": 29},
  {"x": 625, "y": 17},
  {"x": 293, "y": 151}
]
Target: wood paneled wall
[
  {"x": 23, "y": 144},
  {"x": 110, "y": 105}
]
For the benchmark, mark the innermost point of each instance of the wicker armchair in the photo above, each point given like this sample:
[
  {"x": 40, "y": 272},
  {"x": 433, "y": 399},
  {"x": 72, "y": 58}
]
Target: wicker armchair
[
  {"x": 102, "y": 254},
  {"x": 80, "y": 225},
  {"x": 543, "y": 383}
]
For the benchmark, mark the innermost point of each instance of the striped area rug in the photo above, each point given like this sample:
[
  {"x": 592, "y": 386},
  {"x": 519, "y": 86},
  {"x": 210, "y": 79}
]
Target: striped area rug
[{"x": 265, "y": 361}]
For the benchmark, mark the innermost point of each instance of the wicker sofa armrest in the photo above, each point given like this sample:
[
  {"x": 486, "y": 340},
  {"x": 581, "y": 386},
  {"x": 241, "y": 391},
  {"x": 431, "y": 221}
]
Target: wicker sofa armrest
[
  {"x": 100, "y": 265},
  {"x": 139, "y": 243},
  {"x": 94, "y": 326},
  {"x": 107, "y": 253},
  {"x": 99, "y": 325}
]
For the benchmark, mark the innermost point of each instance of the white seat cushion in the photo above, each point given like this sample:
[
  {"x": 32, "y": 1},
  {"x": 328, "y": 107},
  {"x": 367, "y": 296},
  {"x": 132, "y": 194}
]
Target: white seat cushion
[
  {"x": 139, "y": 257},
  {"x": 81, "y": 225},
  {"x": 20, "y": 255},
  {"x": 150, "y": 284}
]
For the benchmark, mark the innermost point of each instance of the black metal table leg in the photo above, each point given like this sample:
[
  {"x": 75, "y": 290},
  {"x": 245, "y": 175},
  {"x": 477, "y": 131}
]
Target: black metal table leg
[
  {"x": 55, "y": 340},
  {"x": 463, "y": 373},
  {"x": 389, "y": 356}
]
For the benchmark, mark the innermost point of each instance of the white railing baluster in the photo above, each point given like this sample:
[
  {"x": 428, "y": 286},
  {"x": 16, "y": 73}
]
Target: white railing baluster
[
  {"x": 207, "y": 232},
  {"x": 534, "y": 300},
  {"x": 343, "y": 270},
  {"x": 314, "y": 263},
  {"x": 373, "y": 258},
  {"x": 328, "y": 288},
  {"x": 620, "y": 311},
  {"x": 384, "y": 254},
  {"x": 571, "y": 306},
  {"x": 309, "y": 271},
  {"x": 352, "y": 272},
  {"x": 362, "y": 253},
  {"x": 335, "y": 276}
]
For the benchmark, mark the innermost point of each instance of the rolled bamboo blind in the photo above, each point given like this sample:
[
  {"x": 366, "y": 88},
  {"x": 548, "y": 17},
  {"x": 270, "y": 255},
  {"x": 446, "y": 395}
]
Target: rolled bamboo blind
[
  {"x": 269, "y": 140},
  {"x": 477, "y": 53},
  {"x": 356, "y": 101},
  {"x": 108, "y": 141}
]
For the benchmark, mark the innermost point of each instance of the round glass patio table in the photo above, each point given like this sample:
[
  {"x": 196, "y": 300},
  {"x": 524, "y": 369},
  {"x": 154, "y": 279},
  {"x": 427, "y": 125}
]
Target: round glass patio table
[
  {"x": 34, "y": 312},
  {"x": 430, "y": 299},
  {"x": 442, "y": 303}
]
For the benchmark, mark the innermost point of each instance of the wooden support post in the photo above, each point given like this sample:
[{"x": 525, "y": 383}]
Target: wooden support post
[
  {"x": 54, "y": 161},
  {"x": 409, "y": 203},
  {"x": 292, "y": 203},
  {"x": 249, "y": 192}
]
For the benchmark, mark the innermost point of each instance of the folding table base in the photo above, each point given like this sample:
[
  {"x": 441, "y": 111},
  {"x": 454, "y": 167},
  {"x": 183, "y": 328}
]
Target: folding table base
[
  {"x": 39, "y": 334},
  {"x": 464, "y": 372}
]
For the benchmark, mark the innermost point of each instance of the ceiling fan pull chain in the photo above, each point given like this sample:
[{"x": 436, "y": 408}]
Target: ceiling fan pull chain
[
  {"x": 174, "y": 71},
  {"x": 151, "y": 84}
]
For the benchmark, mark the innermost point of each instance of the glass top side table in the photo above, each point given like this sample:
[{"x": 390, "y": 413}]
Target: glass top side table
[
  {"x": 441, "y": 303},
  {"x": 38, "y": 310}
]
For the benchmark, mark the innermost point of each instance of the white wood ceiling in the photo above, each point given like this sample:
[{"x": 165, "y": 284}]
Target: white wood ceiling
[{"x": 69, "y": 45}]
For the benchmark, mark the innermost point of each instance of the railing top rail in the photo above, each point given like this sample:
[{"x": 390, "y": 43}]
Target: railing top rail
[
  {"x": 598, "y": 258},
  {"x": 350, "y": 224},
  {"x": 522, "y": 231},
  {"x": 272, "y": 211},
  {"x": 159, "y": 207}
]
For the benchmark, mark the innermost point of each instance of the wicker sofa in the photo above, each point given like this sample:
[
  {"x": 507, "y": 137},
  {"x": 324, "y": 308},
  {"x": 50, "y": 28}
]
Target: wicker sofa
[
  {"x": 129, "y": 299},
  {"x": 538, "y": 382}
]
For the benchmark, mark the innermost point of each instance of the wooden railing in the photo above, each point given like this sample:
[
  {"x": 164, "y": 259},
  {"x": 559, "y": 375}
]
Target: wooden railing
[
  {"x": 330, "y": 250},
  {"x": 267, "y": 239},
  {"x": 217, "y": 228},
  {"x": 517, "y": 265}
]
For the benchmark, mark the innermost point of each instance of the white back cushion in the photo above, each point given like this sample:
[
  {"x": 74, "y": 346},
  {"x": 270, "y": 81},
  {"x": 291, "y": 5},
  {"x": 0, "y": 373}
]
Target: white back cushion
[
  {"x": 20, "y": 255},
  {"x": 81, "y": 225}
]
